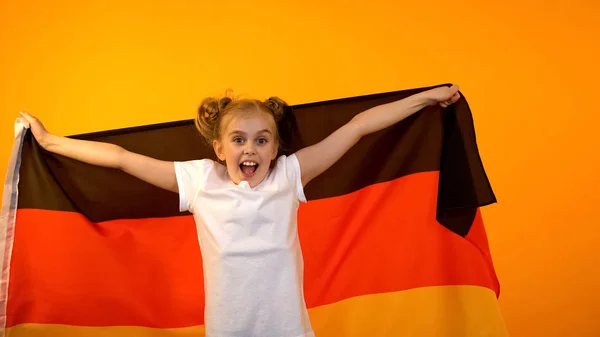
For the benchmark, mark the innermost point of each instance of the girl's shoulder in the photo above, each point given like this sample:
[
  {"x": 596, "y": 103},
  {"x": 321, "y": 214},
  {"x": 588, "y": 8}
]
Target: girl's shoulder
[
  {"x": 196, "y": 165},
  {"x": 285, "y": 164},
  {"x": 197, "y": 171},
  {"x": 288, "y": 172}
]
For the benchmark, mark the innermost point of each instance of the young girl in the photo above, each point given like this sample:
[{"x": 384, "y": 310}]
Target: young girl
[{"x": 245, "y": 210}]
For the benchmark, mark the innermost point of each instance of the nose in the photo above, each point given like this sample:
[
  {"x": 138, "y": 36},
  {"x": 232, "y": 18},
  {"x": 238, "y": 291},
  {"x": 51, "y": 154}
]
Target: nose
[{"x": 249, "y": 149}]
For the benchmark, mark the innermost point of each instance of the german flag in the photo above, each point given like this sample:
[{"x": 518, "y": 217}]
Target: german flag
[{"x": 392, "y": 236}]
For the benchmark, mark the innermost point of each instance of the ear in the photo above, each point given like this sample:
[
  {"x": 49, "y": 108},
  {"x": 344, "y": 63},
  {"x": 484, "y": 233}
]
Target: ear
[{"x": 218, "y": 147}]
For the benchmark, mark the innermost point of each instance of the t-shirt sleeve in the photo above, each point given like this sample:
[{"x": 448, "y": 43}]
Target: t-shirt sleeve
[
  {"x": 191, "y": 177},
  {"x": 294, "y": 175}
]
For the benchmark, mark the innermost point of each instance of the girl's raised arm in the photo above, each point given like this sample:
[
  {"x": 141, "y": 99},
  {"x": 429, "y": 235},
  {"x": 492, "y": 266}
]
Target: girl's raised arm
[
  {"x": 156, "y": 172},
  {"x": 317, "y": 158}
]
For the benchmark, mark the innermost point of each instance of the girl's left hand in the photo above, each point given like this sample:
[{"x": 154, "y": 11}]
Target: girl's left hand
[{"x": 445, "y": 96}]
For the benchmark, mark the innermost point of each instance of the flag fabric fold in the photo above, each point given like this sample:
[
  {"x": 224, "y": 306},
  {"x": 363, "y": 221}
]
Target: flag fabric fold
[{"x": 392, "y": 235}]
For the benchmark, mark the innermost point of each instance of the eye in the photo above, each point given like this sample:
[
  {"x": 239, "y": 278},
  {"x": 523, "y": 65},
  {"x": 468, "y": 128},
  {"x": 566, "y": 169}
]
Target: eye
[
  {"x": 238, "y": 140},
  {"x": 262, "y": 141}
]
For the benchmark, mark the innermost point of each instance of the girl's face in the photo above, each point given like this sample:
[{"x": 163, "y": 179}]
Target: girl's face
[{"x": 248, "y": 144}]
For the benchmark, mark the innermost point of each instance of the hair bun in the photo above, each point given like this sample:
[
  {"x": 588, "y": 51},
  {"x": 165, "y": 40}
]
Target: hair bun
[
  {"x": 208, "y": 114},
  {"x": 209, "y": 109},
  {"x": 277, "y": 107},
  {"x": 224, "y": 102}
]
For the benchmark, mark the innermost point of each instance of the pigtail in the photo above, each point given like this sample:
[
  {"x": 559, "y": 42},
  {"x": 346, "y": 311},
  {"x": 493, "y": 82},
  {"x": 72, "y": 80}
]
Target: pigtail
[
  {"x": 289, "y": 140},
  {"x": 209, "y": 115},
  {"x": 277, "y": 107},
  {"x": 205, "y": 121}
]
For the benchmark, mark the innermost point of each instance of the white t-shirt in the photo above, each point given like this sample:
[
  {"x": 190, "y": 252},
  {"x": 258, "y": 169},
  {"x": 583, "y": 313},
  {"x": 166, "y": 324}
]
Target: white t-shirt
[{"x": 253, "y": 265}]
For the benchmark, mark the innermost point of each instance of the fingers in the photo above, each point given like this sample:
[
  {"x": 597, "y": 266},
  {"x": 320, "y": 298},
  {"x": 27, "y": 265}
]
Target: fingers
[
  {"x": 455, "y": 97},
  {"x": 34, "y": 123},
  {"x": 27, "y": 116},
  {"x": 450, "y": 101}
]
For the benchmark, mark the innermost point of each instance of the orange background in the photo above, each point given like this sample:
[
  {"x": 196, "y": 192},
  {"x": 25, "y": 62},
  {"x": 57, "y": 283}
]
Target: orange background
[{"x": 528, "y": 69}]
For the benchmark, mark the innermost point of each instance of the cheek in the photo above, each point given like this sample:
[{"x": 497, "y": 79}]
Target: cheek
[
  {"x": 270, "y": 151},
  {"x": 233, "y": 152},
  {"x": 229, "y": 152}
]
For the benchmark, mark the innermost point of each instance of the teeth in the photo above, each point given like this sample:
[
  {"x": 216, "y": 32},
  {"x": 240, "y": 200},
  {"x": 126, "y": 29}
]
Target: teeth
[{"x": 249, "y": 163}]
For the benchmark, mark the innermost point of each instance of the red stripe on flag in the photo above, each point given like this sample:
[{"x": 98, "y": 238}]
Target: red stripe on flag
[
  {"x": 385, "y": 238},
  {"x": 147, "y": 272},
  {"x": 67, "y": 270}
]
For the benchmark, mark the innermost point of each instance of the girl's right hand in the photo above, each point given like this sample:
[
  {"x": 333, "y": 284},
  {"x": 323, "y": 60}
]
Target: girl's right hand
[
  {"x": 156, "y": 172},
  {"x": 37, "y": 129}
]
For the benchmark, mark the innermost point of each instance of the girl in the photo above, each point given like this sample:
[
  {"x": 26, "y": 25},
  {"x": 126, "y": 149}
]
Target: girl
[{"x": 245, "y": 210}]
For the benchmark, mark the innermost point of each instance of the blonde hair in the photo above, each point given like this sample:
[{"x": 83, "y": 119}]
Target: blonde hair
[{"x": 213, "y": 110}]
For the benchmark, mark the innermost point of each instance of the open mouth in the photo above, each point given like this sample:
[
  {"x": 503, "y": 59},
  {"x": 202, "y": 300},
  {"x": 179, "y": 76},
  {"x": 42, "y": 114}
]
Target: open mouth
[{"x": 248, "y": 168}]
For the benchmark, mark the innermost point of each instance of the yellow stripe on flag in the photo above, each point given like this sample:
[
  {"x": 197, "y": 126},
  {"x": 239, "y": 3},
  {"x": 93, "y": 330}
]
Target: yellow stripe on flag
[
  {"x": 425, "y": 312},
  {"x": 60, "y": 330}
]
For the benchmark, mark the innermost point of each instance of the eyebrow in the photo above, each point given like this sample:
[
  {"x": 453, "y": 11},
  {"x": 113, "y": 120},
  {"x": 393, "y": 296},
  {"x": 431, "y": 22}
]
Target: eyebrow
[{"x": 243, "y": 133}]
